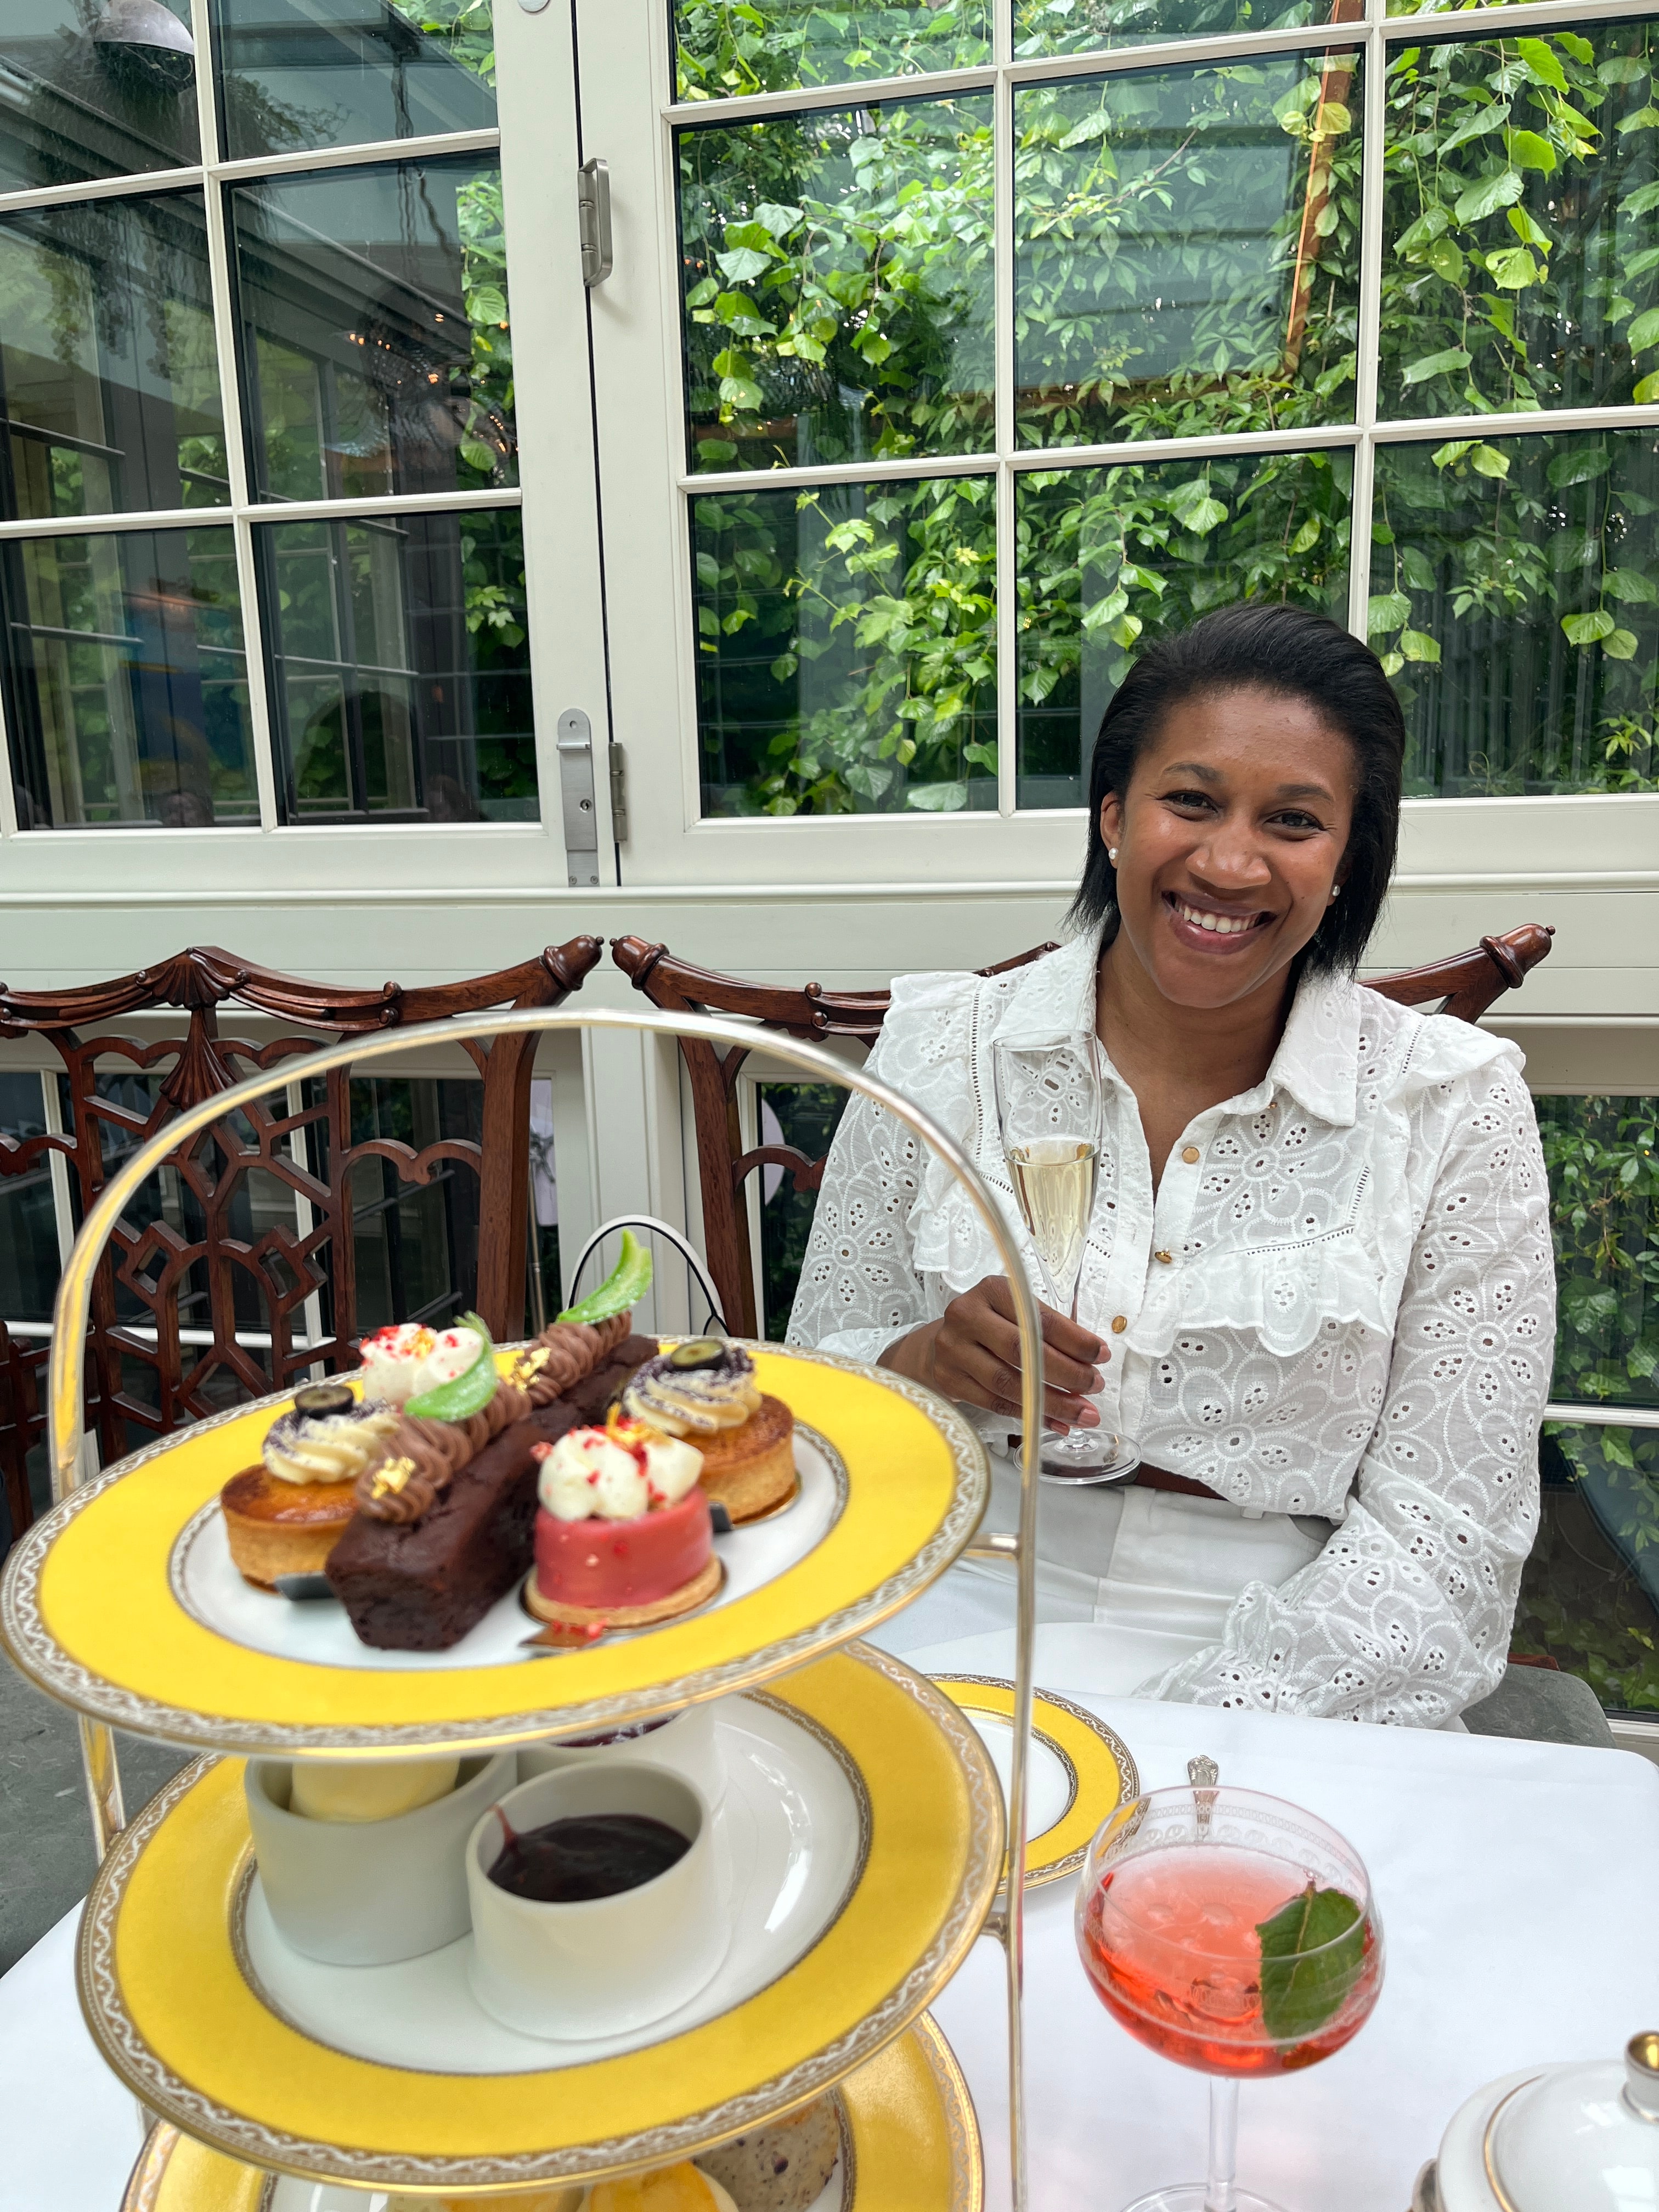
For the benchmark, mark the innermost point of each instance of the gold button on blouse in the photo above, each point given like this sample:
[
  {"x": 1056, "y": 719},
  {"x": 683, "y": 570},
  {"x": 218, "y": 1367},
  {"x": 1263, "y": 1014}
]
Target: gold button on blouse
[
  {"x": 1120, "y": 1322},
  {"x": 1165, "y": 1256},
  {"x": 1189, "y": 1153}
]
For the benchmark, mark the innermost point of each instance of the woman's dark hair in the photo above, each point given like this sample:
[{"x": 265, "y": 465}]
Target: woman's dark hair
[{"x": 1263, "y": 646}]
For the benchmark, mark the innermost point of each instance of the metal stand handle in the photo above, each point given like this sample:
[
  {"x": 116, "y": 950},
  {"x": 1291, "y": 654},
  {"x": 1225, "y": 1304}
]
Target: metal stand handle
[{"x": 71, "y": 1313}]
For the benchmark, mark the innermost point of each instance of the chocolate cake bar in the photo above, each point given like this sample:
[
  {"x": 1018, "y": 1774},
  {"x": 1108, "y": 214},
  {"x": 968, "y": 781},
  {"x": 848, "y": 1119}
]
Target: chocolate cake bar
[{"x": 420, "y": 1585}]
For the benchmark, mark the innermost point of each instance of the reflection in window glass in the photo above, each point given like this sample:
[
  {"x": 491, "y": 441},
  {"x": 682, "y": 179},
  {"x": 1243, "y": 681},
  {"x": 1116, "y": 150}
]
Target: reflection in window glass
[
  {"x": 1514, "y": 601},
  {"x": 1111, "y": 558},
  {"x": 29, "y": 1219},
  {"x": 846, "y": 648},
  {"x": 293, "y": 75},
  {"x": 375, "y": 319},
  {"x": 92, "y": 91},
  {"x": 1590, "y": 1594},
  {"x": 1083, "y": 26},
  {"x": 401, "y": 667},
  {"x": 804, "y": 1115},
  {"x": 837, "y": 269},
  {"x": 127, "y": 680},
  {"x": 721, "y": 51},
  {"x": 111, "y": 378},
  {"x": 1187, "y": 250},
  {"x": 416, "y": 1245},
  {"x": 1602, "y": 1155},
  {"x": 1521, "y": 222}
]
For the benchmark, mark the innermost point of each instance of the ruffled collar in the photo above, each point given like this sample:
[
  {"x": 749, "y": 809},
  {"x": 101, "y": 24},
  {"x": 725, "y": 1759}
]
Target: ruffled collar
[{"x": 1318, "y": 1055}]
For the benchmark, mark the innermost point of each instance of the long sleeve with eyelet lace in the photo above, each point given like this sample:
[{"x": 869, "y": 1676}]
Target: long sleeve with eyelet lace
[{"x": 1355, "y": 1320}]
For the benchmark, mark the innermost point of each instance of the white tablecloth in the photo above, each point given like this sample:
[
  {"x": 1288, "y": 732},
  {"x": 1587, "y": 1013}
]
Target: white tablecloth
[{"x": 1515, "y": 1884}]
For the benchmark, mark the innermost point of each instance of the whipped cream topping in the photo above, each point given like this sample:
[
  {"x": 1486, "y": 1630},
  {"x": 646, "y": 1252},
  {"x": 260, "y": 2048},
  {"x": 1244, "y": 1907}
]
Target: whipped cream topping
[
  {"x": 301, "y": 1447},
  {"x": 681, "y": 1401},
  {"x": 615, "y": 1473},
  {"x": 402, "y": 1361}
]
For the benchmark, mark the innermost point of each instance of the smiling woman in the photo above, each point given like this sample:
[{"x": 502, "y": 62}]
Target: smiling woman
[{"x": 1318, "y": 1288}]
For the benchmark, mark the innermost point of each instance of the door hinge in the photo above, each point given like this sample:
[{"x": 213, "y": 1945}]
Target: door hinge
[
  {"x": 618, "y": 795},
  {"x": 593, "y": 219},
  {"x": 582, "y": 824}
]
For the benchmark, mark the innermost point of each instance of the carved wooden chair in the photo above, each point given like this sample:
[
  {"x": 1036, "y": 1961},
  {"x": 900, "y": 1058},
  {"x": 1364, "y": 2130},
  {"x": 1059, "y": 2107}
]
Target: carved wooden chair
[
  {"x": 1464, "y": 986},
  {"x": 297, "y": 1278}
]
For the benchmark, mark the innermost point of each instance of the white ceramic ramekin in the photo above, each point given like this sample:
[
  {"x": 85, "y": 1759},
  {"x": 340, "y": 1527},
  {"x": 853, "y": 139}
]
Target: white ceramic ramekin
[
  {"x": 364, "y": 1892},
  {"x": 609, "y": 1964},
  {"x": 685, "y": 1744}
]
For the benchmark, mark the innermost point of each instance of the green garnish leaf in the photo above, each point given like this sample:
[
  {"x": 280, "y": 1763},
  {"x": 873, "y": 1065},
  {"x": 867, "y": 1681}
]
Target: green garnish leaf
[
  {"x": 1313, "y": 1952},
  {"x": 624, "y": 1287},
  {"x": 468, "y": 1394}
]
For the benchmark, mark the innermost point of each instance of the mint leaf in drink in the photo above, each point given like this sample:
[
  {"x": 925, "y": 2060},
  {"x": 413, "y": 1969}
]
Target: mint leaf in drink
[{"x": 1313, "y": 1951}]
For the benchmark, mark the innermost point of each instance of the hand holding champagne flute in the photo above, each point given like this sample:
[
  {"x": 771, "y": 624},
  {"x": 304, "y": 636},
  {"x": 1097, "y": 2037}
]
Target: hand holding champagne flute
[{"x": 1050, "y": 1112}]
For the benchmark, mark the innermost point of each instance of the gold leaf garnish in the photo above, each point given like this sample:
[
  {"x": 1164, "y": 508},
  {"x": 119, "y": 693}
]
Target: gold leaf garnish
[
  {"x": 529, "y": 1365},
  {"x": 392, "y": 1476}
]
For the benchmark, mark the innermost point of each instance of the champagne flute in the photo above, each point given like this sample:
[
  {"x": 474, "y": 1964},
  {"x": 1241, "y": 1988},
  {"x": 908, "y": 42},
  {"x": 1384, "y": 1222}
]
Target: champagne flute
[
  {"x": 1235, "y": 1933},
  {"x": 1050, "y": 1111}
]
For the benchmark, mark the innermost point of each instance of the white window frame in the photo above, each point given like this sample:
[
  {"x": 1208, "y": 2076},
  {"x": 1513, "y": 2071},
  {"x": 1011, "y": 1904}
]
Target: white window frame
[
  {"x": 630, "y": 118},
  {"x": 536, "y": 141}
]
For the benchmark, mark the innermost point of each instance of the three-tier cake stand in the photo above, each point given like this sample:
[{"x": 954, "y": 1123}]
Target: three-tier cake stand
[{"x": 869, "y": 1823}]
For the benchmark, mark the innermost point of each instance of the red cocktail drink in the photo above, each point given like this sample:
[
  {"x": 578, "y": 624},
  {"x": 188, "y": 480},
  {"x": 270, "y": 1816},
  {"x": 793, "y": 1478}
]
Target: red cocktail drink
[{"x": 1171, "y": 1942}]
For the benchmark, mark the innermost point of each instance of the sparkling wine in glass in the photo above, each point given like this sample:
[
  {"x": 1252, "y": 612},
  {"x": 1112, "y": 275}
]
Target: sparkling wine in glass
[
  {"x": 1236, "y": 1934},
  {"x": 1050, "y": 1113}
]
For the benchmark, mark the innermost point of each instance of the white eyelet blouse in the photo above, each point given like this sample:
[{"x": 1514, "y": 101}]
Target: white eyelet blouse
[{"x": 1340, "y": 1302}]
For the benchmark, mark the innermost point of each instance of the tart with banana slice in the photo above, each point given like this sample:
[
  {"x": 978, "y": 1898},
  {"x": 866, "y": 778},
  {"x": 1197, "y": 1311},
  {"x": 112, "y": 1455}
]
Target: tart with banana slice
[{"x": 705, "y": 1390}]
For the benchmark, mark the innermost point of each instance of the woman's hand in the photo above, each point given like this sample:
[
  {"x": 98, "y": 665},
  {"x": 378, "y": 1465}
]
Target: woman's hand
[{"x": 973, "y": 1354}]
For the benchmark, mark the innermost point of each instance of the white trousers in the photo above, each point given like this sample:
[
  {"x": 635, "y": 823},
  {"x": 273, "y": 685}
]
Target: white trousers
[{"x": 1129, "y": 1581}]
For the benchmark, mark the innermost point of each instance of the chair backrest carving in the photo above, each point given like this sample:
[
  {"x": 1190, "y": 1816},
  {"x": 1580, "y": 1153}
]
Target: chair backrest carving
[
  {"x": 1464, "y": 986},
  {"x": 145, "y": 1371}
]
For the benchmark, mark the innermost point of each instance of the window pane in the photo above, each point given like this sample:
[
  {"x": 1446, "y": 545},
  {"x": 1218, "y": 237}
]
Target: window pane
[
  {"x": 1590, "y": 1595},
  {"x": 416, "y": 1244},
  {"x": 1521, "y": 260},
  {"x": 375, "y": 322},
  {"x": 1589, "y": 1591},
  {"x": 1187, "y": 251},
  {"x": 29, "y": 1220},
  {"x": 293, "y": 75},
  {"x": 1513, "y": 602},
  {"x": 838, "y": 285},
  {"x": 401, "y": 667},
  {"x": 83, "y": 95},
  {"x": 721, "y": 50},
  {"x": 110, "y": 379},
  {"x": 804, "y": 1115},
  {"x": 846, "y": 648},
  {"x": 1603, "y": 1160},
  {"x": 126, "y": 681},
  {"x": 1083, "y": 26},
  {"x": 1111, "y": 558}
]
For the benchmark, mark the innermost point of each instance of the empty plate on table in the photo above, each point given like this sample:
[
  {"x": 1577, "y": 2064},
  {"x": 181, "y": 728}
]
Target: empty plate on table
[{"x": 1081, "y": 1770}]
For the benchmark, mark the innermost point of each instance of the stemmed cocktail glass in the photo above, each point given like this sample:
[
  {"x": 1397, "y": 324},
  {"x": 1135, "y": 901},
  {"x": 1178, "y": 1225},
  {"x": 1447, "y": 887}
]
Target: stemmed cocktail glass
[
  {"x": 1236, "y": 1934},
  {"x": 1050, "y": 1113}
]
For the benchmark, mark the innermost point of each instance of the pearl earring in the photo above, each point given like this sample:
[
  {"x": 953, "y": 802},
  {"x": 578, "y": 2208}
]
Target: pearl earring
[
  {"x": 1336, "y": 892},
  {"x": 1111, "y": 854}
]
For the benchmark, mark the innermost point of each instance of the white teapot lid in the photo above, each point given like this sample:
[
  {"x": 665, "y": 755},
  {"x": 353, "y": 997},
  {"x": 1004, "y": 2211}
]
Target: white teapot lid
[{"x": 1581, "y": 2138}]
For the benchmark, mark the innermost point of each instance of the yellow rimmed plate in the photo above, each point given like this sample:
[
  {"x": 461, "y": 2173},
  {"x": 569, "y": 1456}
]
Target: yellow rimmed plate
[
  {"x": 95, "y": 1604},
  {"x": 174, "y": 2010},
  {"x": 909, "y": 2140},
  {"x": 1081, "y": 1773}
]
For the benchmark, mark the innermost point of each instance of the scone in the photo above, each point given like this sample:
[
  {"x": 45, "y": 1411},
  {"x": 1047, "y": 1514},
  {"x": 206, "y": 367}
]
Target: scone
[
  {"x": 782, "y": 2166},
  {"x": 285, "y": 1515},
  {"x": 705, "y": 1390}
]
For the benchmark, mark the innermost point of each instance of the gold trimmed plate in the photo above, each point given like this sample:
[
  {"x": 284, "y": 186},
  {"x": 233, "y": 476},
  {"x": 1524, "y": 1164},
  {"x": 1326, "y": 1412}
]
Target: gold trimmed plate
[
  {"x": 173, "y": 2011},
  {"x": 908, "y": 2135},
  {"x": 1090, "y": 1772},
  {"x": 90, "y": 1609}
]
